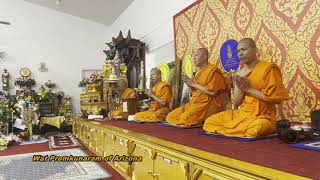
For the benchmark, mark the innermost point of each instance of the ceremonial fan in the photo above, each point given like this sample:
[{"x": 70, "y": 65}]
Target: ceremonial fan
[{"x": 230, "y": 60}]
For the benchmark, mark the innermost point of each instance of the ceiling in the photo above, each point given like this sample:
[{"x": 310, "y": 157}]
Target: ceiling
[{"x": 101, "y": 11}]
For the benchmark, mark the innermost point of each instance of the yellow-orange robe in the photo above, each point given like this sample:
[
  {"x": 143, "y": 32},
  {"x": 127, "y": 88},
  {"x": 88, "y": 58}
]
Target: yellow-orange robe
[
  {"x": 201, "y": 105},
  {"x": 254, "y": 117},
  {"x": 127, "y": 93},
  {"x": 157, "y": 112}
]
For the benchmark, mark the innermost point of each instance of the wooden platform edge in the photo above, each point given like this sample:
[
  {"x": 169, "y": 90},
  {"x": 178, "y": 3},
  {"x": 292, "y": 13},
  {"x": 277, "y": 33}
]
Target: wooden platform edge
[{"x": 191, "y": 154}]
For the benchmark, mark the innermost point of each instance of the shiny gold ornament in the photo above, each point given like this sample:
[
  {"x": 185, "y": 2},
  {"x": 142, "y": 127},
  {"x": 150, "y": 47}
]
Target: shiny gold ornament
[{"x": 123, "y": 70}]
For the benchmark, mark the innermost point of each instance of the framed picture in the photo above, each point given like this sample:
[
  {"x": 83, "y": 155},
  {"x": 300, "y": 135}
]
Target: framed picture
[{"x": 86, "y": 73}]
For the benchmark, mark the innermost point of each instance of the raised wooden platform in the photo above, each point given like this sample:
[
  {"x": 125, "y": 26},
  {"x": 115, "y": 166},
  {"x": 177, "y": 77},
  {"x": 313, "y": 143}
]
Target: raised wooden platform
[{"x": 171, "y": 153}]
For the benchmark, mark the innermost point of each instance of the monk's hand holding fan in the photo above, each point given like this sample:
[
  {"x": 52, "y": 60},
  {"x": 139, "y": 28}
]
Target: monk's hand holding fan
[
  {"x": 149, "y": 92},
  {"x": 241, "y": 82},
  {"x": 189, "y": 82}
]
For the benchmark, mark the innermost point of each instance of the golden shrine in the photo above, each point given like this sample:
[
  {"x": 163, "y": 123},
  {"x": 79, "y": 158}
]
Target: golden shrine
[
  {"x": 102, "y": 93},
  {"x": 99, "y": 99}
]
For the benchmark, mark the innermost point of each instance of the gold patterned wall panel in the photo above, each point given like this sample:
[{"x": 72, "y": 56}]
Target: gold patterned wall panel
[{"x": 287, "y": 33}]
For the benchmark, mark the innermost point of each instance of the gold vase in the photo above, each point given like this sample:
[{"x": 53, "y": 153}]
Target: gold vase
[
  {"x": 123, "y": 70},
  {"x": 88, "y": 88}
]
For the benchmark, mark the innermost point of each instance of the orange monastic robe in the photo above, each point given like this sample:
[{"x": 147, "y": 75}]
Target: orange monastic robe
[
  {"x": 157, "y": 112},
  {"x": 127, "y": 93},
  {"x": 254, "y": 117},
  {"x": 201, "y": 105}
]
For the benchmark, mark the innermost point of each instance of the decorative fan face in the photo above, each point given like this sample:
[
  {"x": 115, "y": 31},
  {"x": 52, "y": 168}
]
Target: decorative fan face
[
  {"x": 187, "y": 66},
  {"x": 164, "y": 68}
]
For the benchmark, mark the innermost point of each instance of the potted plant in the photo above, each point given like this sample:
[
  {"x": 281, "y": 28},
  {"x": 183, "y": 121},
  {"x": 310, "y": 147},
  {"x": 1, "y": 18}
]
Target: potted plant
[
  {"x": 83, "y": 84},
  {"x": 28, "y": 114},
  {"x": 5, "y": 113}
]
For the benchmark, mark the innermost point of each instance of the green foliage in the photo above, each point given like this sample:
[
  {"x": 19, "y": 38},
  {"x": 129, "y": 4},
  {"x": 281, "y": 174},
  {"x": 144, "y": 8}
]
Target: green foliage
[
  {"x": 6, "y": 109},
  {"x": 25, "y": 81},
  {"x": 83, "y": 83}
]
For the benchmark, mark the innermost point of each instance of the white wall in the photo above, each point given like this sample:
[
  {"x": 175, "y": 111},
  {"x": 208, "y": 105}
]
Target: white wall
[
  {"x": 65, "y": 43},
  {"x": 151, "y": 21}
]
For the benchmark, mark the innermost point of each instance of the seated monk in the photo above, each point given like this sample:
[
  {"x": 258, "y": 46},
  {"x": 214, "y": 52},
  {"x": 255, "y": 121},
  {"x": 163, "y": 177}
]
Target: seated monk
[
  {"x": 258, "y": 87},
  {"x": 206, "y": 87},
  {"x": 125, "y": 93},
  {"x": 161, "y": 97}
]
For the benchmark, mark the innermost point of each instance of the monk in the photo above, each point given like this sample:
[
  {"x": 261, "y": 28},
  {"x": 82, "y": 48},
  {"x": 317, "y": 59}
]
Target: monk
[
  {"x": 258, "y": 87},
  {"x": 206, "y": 87},
  {"x": 161, "y": 97},
  {"x": 125, "y": 93}
]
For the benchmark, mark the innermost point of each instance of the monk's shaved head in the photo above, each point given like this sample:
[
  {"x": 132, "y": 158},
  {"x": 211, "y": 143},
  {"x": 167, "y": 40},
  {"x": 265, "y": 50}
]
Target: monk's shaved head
[
  {"x": 155, "y": 75},
  {"x": 200, "y": 57},
  {"x": 247, "y": 51},
  {"x": 156, "y": 70},
  {"x": 203, "y": 51},
  {"x": 249, "y": 41}
]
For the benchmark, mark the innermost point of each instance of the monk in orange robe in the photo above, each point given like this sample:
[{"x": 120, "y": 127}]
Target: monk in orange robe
[
  {"x": 126, "y": 93},
  {"x": 206, "y": 88},
  {"x": 258, "y": 87},
  {"x": 161, "y": 97}
]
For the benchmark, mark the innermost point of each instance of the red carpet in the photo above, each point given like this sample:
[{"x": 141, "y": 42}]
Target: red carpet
[
  {"x": 271, "y": 153},
  {"x": 16, "y": 149}
]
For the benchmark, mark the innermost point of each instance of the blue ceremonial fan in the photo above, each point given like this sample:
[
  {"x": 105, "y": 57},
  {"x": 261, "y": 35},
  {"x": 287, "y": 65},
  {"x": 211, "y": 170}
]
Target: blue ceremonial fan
[{"x": 229, "y": 56}]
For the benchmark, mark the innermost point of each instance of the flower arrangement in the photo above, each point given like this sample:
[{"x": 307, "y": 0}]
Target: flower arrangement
[
  {"x": 60, "y": 94},
  {"x": 95, "y": 78},
  {"x": 28, "y": 114},
  {"x": 43, "y": 93},
  {"x": 4, "y": 99},
  {"x": 3, "y": 142},
  {"x": 25, "y": 81},
  {"x": 12, "y": 138}
]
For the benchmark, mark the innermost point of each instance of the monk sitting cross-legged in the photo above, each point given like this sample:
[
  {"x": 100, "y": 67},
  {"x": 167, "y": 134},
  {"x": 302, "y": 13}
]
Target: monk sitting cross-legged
[
  {"x": 206, "y": 88},
  {"x": 258, "y": 87},
  {"x": 126, "y": 93},
  {"x": 161, "y": 97}
]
